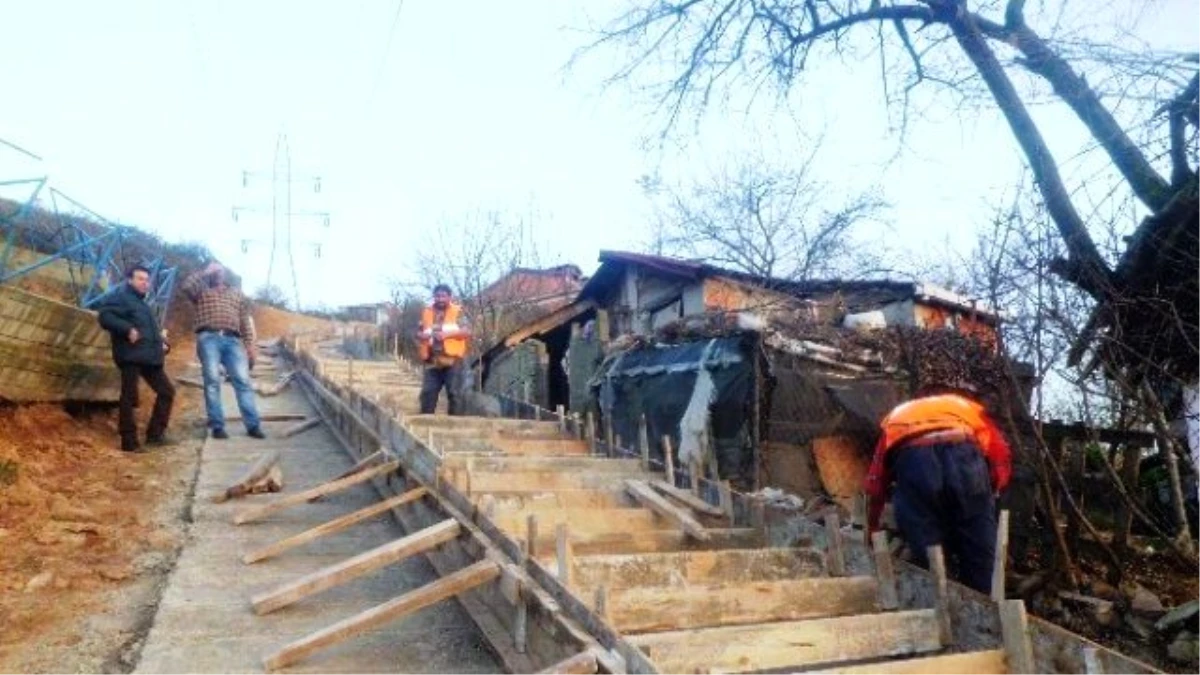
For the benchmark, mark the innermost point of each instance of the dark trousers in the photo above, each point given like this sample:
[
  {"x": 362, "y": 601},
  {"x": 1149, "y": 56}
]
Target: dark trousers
[
  {"x": 944, "y": 496},
  {"x": 435, "y": 379},
  {"x": 164, "y": 397}
]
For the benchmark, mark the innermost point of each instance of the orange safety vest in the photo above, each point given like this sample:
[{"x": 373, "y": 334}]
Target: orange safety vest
[{"x": 455, "y": 347}]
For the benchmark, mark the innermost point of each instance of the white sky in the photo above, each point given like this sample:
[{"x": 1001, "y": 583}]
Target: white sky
[{"x": 148, "y": 112}]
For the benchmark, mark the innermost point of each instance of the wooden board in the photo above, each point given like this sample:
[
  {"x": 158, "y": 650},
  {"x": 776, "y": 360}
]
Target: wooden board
[
  {"x": 643, "y": 610},
  {"x": 658, "y": 541},
  {"x": 303, "y": 496},
  {"x": 792, "y": 644},
  {"x": 583, "y": 521},
  {"x": 686, "y": 498},
  {"x": 989, "y": 662},
  {"x": 567, "y": 499},
  {"x": 619, "y": 572},
  {"x": 335, "y": 525},
  {"x": 352, "y": 568},
  {"x": 657, "y": 503},
  {"x": 507, "y": 481},
  {"x": 449, "y": 586},
  {"x": 566, "y": 447},
  {"x": 591, "y": 465}
]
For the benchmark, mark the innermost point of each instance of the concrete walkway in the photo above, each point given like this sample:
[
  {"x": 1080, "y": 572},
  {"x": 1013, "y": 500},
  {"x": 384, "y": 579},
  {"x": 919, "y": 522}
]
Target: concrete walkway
[{"x": 204, "y": 622}]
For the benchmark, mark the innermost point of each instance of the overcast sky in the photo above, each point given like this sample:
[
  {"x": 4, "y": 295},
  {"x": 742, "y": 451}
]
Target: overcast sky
[{"x": 148, "y": 112}]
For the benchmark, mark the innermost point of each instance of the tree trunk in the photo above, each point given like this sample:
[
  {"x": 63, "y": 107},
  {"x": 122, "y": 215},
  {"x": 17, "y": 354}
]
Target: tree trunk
[
  {"x": 1131, "y": 460},
  {"x": 1166, "y": 446}
]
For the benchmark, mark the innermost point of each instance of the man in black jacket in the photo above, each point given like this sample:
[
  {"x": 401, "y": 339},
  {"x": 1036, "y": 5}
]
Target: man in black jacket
[{"x": 138, "y": 348}]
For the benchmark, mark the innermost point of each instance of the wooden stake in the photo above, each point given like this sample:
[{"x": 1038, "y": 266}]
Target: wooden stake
[
  {"x": 352, "y": 568},
  {"x": 579, "y": 430},
  {"x": 888, "y": 596},
  {"x": 1014, "y": 626},
  {"x": 937, "y": 567},
  {"x": 591, "y": 432},
  {"x": 725, "y": 499},
  {"x": 835, "y": 555},
  {"x": 561, "y": 412},
  {"x": 531, "y": 534},
  {"x": 1001, "y": 557},
  {"x": 601, "y": 605},
  {"x": 446, "y": 587},
  {"x": 563, "y": 553},
  {"x": 327, "y": 488},
  {"x": 1091, "y": 661},
  {"x": 644, "y": 443},
  {"x": 668, "y": 460},
  {"x": 694, "y": 475},
  {"x": 335, "y": 525},
  {"x": 583, "y": 663},
  {"x": 608, "y": 436},
  {"x": 487, "y": 506}
]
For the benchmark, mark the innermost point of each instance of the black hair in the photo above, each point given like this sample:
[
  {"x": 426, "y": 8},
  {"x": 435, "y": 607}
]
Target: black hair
[
  {"x": 442, "y": 287},
  {"x": 138, "y": 267}
]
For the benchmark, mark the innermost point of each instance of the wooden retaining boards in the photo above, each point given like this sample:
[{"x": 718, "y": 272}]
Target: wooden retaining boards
[
  {"x": 259, "y": 512},
  {"x": 739, "y": 649},
  {"x": 619, "y": 572},
  {"x": 643, "y": 610},
  {"x": 583, "y": 521},
  {"x": 567, "y": 499},
  {"x": 986, "y": 662},
  {"x": 550, "y": 606},
  {"x": 657, "y": 503}
]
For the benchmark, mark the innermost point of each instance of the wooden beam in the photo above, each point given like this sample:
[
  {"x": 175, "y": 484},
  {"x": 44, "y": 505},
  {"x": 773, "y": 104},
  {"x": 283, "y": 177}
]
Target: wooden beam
[
  {"x": 583, "y": 663},
  {"x": 352, "y": 568},
  {"x": 282, "y": 503},
  {"x": 703, "y": 567},
  {"x": 533, "y": 464},
  {"x": 889, "y": 598},
  {"x": 668, "y": 460},
  {"x": 586, "y": 521},
  {"x": 643, "y": 610},
  {"x": 301, "y": 427},
  {"x": 360, "y": 465},
  {"x": 655, "y": 502},
  {"x": 686, "y": 498},
  {"x": 272, "y": 417},
  {"x": 547, "y": 481},
  {"x": 257, "y": 472},
  {"x": 989, "y": 662},
  {"x": 463, "y": 580},
  {"x": 937, "y": 568},
  {"x": 562, "y": 552},
  {"x": 793, "y": 644},
  {"x": 335, "y": 525},
  {"x": 654, "y": 541},
  {"x": 644, "y": 443},
  {"x": 1014, "y": 627},
  {"x": 571, "y": 498},
  {"x": 1001, "y": 557}
]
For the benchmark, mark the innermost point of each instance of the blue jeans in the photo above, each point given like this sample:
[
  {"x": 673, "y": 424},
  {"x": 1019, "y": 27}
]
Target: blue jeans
[{"x": 217, "y": 350}]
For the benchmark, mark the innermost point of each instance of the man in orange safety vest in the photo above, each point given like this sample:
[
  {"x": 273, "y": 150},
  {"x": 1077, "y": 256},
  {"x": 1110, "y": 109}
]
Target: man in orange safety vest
[
  {"x": 442, "y": 344},
  {"x": 949, "y": 462}
]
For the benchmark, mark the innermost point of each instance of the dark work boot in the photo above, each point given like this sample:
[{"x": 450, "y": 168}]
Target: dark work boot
[
  {"x": 131, "y": 445},
  {"x": 256, "y": 432},
  {"x": 219, "y": 434}
]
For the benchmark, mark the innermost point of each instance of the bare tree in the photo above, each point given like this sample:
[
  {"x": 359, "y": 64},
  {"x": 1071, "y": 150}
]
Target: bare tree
[
  {"x": 470, "y": 253},
  {"x": 769, "y": 222}
]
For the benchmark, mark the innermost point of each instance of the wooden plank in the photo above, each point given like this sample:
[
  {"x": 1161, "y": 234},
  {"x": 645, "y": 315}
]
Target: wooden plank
[
  {"x": 300, "y": 428},
  {"x": 1001, "y": 557},
  {"x": 656, "y": 541},
  {"x": 335, "y": 525},
  {"x": 585, "y": 521},
  {"x": 538, "y": 447},
  {"x": 282, "y": 503},
  {"x": 583, "y": 663},
  {"x": 889, "y": 597},
  {"x": 643, "y": 610},
  {"x": 476, "y": 575},
  {"x": 562, "y": 551},
  {"x": 272, "y": 417},
  {"x": 668, "y": 460},
  {"x": 620, "y": 572},
  {"x": 1014, "y": 628},
  {"x": 655, "y": 502},
  {"x": 547, "y": 481},
  {"x": 582, "y": 498},
  {"x": 644, "y": 443},
  {"x": 937, "y": 568},
  {"x": 254, "y": 474},
  {"x": 352, "y": 568},
  {"x": 793, "y": 644},
  {"x": 687, "y": 498},
  {"x": 989, "y": 662},
  {"x": 523, "y": 464}
]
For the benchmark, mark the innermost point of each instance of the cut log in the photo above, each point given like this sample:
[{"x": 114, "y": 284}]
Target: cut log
[
  {"x": 687, "y": 498},
  {"x": 255, "y": 474},
  {"x": 739, "y": 649},
  {"x": 335, "y": 525},
  {"x": 352, "y": 568},
  {"x": 301, "y": 427},
  {"x": 644, "y": 610},
  {"x": 655, "y": 502},
  {"x": 449, "y": 586},
  {"x": 320, "y": 490}
]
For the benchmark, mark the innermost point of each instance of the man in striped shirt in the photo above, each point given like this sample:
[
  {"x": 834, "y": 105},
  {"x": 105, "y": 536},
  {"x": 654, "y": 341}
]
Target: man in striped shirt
[{"x": 224, "y": 337}]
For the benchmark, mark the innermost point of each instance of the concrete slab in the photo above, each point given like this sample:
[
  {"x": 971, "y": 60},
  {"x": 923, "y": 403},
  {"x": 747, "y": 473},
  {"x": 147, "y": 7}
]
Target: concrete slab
[{"x": 204, "y": 622}]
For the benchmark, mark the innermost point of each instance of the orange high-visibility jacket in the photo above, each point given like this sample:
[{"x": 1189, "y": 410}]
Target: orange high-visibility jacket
[
  {"x": 944, "y": 412},
  {"x": 455, "y": 347}
]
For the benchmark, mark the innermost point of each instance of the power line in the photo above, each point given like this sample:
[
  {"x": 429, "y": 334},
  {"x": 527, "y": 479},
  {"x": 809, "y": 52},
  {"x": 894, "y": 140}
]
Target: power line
[{"x": 387, "y": 49}]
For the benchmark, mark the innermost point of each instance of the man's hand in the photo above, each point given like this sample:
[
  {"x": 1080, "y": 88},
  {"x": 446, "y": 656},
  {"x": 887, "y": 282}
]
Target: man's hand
[{"x": 134, "y": 336}]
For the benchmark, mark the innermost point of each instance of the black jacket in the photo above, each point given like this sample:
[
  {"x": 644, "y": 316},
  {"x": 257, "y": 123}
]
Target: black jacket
[{"x": 125, "y": 309}]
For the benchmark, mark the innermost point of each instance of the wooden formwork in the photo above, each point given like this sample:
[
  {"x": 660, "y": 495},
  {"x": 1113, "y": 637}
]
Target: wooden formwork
[{"x": 570, "y": 561}]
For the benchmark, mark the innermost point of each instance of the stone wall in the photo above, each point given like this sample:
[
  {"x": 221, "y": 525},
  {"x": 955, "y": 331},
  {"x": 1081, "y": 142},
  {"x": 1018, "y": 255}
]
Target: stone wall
[
  {"x": 51, "y": 351},
  {"x": 519, "y": 370}
]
